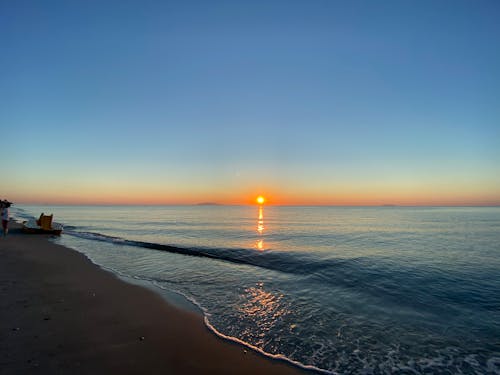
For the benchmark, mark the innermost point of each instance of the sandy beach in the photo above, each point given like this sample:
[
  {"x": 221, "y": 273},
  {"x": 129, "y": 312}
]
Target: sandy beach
[{"x": 60, "y": 313}]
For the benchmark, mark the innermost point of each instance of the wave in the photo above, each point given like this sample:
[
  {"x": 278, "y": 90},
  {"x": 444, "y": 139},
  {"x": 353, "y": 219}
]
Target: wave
[
  {"x": 373, "y": 278},
  {"x": 297, "y": 263},
  {"x": 353, "y": 273},
  {"x": 20, "y": 214},
  {"x": 279, "y": 357}
]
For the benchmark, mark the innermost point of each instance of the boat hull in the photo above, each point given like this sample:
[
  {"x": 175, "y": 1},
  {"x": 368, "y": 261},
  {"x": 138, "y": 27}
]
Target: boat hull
[{"x": 27, "y": 230}]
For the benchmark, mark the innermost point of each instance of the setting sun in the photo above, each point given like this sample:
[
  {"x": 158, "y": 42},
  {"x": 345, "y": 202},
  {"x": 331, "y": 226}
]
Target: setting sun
[{"x": 260, "y": 199}]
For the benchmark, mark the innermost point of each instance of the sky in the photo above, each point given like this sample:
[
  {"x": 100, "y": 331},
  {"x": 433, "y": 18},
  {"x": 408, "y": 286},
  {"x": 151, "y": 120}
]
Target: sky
[{"x": 316, "y": 102}]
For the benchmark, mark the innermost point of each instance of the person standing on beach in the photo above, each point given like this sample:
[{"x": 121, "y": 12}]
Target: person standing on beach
[{"x": 5, "y": 216}]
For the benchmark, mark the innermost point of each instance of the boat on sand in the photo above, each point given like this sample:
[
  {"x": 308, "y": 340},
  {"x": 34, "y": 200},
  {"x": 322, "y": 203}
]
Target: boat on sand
[{"x": 43, "y": 225}]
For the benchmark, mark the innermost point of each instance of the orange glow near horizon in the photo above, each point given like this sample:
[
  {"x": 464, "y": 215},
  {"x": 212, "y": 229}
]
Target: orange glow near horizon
[
  {"x": 340, "y": 200},
  {"x": 338, "y": 195}
]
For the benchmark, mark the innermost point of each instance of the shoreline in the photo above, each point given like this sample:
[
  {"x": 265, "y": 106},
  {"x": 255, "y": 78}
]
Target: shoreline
[{"x": 60, "y": 312}]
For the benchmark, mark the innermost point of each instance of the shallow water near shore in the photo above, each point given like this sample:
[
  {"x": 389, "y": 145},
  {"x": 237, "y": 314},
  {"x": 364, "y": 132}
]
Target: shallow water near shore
[{"x": 363, "y": 290}]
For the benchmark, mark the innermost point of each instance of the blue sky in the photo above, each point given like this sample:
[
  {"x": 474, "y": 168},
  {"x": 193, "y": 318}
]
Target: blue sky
[{"x": 321, "y": 102}]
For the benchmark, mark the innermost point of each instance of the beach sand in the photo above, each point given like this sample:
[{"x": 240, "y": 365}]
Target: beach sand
[{"x": 61, "y": 314}]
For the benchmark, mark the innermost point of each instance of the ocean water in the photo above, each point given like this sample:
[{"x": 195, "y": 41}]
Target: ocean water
[{"x": 374, "y": 290}]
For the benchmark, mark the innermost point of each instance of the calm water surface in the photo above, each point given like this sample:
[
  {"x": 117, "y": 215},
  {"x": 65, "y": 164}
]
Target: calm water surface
[{"x": 347, "y": 290}]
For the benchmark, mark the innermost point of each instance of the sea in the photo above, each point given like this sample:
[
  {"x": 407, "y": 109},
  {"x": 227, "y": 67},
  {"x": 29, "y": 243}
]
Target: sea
[{"x": 341, "y": 290}]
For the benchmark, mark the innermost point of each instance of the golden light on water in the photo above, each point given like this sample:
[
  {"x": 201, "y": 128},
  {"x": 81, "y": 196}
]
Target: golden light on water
[
  {"x": 260, "y": 221},
  {"x": 260, "y": 244},
  {"x": 266, "y": 305},
  {"x": 260, "y": 224}
]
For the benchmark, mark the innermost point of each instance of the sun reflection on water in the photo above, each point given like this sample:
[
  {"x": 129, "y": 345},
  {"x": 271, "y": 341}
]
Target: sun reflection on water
[
  {"x": 260, "y": 222},
  {"x": 260, "y": 244},
  {"x": 260, "y": 228},
  {"x": 266, "y": 309}
]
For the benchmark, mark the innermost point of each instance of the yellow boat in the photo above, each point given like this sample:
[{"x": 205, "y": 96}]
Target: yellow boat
[{"x": 43, "y": 225}]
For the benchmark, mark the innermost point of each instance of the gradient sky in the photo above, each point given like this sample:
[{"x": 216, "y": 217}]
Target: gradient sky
[{"x": 305, "y": 102}]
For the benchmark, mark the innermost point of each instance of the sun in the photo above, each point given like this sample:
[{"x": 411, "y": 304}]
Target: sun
[{"x": 260, "y": 199}]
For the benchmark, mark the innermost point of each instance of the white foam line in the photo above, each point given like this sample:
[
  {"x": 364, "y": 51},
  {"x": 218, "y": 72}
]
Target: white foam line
[
  {"x": 189, "y": 299},
  {"x": 236, "y": 340},
  {"x": 280, "y": 357}
]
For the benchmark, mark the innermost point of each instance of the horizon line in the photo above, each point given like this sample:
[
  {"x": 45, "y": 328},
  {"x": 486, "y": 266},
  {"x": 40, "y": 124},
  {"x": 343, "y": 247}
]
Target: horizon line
[{"x": 254, "y": 204}]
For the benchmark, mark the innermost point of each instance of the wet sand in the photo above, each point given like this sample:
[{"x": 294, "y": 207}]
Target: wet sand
[{"x": 60, "y": 314}]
